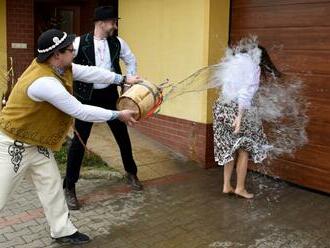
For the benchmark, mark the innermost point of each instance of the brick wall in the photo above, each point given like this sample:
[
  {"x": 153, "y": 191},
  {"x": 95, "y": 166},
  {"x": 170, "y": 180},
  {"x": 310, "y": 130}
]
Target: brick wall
[
  {"x": 192, "y": 139},
  {"x": 86, "y": 16},
  {"x": 20, "y": 29},
  {"x": 20, "y": 26}
]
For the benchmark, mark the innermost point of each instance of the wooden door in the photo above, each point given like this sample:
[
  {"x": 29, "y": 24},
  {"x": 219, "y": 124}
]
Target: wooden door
[
  {"x": 56, "y": 14},
  {"x": 297, "y": 34}
]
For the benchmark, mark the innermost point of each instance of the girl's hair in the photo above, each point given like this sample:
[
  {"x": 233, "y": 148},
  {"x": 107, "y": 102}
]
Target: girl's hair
[{"x": 266, "y": 65}]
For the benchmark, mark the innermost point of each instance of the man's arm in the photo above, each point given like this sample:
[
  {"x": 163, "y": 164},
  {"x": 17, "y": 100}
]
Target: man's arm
[
  {"x": 50, "y": 90},
  {"x": 128, "y": 57},
  {"x": 76, "y": 46},
  {"x": 94, "y": 74},
  {"x": 98, "y": 75}
]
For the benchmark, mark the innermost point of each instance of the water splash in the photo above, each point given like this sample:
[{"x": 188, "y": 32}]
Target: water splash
[
  {"x": 278, "y": 104},
  {"x": 200, "y": 80}
]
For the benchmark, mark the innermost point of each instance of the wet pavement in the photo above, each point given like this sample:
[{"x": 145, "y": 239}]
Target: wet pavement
[
  {"x": 153, "y": 159},
  {"x": 190, "y": 211},
  {"x": 182, "y": 208}
]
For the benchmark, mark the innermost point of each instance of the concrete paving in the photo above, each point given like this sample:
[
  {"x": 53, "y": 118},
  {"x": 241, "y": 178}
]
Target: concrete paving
[
  {"x": 180, "y": 207},
  {"x": 153, "y": 159}
]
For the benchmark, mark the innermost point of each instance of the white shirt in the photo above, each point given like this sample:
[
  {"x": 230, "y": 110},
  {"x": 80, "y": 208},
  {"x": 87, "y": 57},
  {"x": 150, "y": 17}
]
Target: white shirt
[
  {"x": 240, "y": 77},
  {"x": 103, "y": 58},
  {"x": 50, "y": 89}
]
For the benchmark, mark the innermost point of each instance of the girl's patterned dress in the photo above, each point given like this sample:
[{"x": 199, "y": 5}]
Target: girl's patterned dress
[{"x": 251, "y": 137}]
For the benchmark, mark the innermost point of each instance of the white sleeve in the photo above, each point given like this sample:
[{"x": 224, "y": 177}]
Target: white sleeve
[
  {"x": 128, "y": 57},
  {"x": 95, "y": 75},
  {"x": 76, "y": 46},
  {"x": 249, "y": 88},
  {"x": 49, "y": 89}
]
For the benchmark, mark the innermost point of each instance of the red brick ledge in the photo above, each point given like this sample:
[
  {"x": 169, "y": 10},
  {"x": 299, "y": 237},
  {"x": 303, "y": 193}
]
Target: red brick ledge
[{"x": 192, "y": 139}]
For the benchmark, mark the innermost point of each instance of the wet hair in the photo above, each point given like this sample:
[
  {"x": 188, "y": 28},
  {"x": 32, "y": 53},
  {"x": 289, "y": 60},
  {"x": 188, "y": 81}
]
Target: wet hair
[{"x": 266, "y": 65}]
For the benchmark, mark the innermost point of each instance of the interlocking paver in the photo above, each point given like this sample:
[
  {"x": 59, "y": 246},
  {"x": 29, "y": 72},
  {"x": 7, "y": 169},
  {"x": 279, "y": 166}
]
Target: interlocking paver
[
  {"x": 13, "y": 242},
  {"x": 186, "y": 209}
]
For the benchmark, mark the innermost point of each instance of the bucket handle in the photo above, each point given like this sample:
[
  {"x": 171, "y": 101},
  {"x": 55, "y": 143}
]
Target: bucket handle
[{"x": 158, "y": 103}]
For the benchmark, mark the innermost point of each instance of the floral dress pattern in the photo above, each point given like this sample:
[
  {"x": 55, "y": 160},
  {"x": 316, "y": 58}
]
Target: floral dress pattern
[{"x": 251, "y": 137}]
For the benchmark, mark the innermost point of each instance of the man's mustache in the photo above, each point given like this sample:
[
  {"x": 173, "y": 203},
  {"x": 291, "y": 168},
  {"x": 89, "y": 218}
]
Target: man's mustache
[{"x": 111, "y": 31}]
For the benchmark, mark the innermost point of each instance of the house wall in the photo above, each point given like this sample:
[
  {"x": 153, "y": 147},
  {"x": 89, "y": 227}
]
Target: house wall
[{"x": 172, "y": 39}]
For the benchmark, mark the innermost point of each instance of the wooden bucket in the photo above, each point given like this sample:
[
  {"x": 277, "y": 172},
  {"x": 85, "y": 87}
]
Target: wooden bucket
[{"x": 143, "y": 97}]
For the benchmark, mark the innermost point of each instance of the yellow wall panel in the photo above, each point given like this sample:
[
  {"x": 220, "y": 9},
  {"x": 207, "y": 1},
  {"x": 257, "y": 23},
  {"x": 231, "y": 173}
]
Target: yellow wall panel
[
  {"x": 171, "y": 39},
  {"x": 218, "y": 41}
]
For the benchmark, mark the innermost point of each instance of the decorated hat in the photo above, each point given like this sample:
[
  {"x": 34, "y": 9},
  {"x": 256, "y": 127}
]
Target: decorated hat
[
  {"x": 52, "y": 40},
  {"x": 105, "y": 13}
]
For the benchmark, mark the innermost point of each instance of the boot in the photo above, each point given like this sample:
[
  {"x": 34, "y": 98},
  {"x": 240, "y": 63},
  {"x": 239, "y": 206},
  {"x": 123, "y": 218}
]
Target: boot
[
  {"x": 71, "y": 198},
  {"x": 134, "y": 181},
  {"x": 75, "y": 239}
]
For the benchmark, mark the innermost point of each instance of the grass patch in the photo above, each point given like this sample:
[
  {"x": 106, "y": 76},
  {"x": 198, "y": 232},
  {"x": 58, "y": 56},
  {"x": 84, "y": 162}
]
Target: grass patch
[{"x": 91, "y": 161}]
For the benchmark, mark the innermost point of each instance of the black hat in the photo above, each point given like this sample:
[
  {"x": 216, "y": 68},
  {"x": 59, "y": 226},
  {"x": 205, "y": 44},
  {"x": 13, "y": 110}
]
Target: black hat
[
  {"x": 52, "y": 40},
  {"x": 105, "y": 13}
]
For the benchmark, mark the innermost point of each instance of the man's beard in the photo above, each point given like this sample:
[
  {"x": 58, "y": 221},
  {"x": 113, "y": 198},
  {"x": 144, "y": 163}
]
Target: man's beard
[{"x": 111, "y": 32}]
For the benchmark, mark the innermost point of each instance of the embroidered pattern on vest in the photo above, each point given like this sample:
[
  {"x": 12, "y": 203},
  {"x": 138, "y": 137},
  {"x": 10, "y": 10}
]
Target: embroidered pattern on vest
[
  {"x": 32, "y": 135},
  {"x": 16, "y": 152}
]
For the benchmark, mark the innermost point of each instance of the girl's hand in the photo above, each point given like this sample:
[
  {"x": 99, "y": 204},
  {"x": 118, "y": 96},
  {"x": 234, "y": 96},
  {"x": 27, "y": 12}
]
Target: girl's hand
[
  {"x": 237, "y": 121},
  {"x": 237, "y": 124}
]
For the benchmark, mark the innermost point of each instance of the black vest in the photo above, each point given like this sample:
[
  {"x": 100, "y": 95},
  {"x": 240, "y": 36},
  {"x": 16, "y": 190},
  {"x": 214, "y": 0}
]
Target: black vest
[{"x": 86, "y": 56}]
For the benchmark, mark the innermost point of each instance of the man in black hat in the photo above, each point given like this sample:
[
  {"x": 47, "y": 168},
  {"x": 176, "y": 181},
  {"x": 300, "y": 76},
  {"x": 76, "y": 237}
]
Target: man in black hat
[
  {"x": 36, "y": 120},
  {"x": 103, "y": 49}
]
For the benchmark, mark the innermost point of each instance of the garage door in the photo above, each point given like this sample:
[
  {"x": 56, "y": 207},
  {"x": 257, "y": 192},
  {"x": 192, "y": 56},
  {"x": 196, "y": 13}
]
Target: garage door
[{"x": 297, "y": 34}]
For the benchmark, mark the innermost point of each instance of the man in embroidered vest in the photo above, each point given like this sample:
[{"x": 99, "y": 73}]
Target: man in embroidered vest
[
  {"x": 36, "y": 120},
  {"x": 103, "y": 49}
]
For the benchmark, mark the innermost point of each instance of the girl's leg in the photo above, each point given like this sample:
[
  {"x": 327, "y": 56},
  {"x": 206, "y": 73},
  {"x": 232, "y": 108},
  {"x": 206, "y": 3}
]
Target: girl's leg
[
  {"x": 241, "y": 170},
  {"x": 227, "y": 172}
]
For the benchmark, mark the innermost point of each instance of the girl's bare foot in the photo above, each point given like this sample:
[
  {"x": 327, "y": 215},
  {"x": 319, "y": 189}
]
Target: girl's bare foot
[
  {"x": 243, "y": 193},
  {"x": 228, "y": 190}
]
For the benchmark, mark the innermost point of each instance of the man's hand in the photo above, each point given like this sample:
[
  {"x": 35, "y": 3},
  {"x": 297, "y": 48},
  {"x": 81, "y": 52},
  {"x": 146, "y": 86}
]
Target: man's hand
[
  {"x": 127, "y": 116},
  {"x": 133, "y": 79}
]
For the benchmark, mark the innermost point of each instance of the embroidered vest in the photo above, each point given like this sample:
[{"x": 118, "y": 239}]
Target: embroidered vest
[
  {"x": 32, "y": 122},
  {"x": 86, "y": 56}
]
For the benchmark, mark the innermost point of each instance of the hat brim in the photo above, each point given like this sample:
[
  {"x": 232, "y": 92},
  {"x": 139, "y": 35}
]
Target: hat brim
[
  {"x": 105, "y": 19},
  {"x": 42, "y": 57}
]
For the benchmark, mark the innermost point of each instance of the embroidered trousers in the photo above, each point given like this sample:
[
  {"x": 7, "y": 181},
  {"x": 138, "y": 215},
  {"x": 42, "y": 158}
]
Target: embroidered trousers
[{"x": 18, "y": 160}]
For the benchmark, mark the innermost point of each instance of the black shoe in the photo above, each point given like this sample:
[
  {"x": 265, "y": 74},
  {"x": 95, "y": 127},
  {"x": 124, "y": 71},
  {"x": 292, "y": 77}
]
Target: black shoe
[
  {"x": 71, "y": 198},
  {"x": 75, "y": 239},
  {"x": 134, "y": 181}
]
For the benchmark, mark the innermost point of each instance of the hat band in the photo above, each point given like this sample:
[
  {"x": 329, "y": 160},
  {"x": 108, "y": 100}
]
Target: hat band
[{"x": 57, "y": 42}]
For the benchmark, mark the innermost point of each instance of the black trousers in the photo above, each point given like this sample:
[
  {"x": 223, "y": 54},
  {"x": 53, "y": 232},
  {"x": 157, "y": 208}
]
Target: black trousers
[{"x": 105, "y": 98}]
